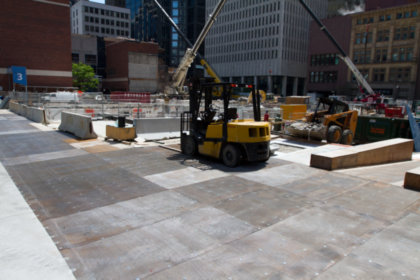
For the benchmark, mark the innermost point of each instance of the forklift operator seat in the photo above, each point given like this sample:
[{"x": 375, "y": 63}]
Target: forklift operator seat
[{"x": 232, "y": 114}]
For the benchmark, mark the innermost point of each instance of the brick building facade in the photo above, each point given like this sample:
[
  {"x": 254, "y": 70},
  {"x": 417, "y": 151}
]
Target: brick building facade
[
  {"x": 385, "y": 46},
  {"x": 132, "y": 66},
  {"x": 327, "y": 73},
  {"x": 36, "y": 35}
]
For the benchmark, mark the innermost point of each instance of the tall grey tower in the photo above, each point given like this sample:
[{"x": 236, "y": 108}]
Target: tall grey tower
[
  {"x": 117, "y": 3},
  {"x": 264, "y": 42}
]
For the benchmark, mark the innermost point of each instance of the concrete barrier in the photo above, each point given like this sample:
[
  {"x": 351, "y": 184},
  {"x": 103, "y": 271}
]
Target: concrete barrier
[
  {"x": 412, "y": 179},
  {"x": 78, "y": 125},
  {"x": 157, "y": 125},
  {"x": 387, "y": 151},
  {"x": 32, "y": 113}
]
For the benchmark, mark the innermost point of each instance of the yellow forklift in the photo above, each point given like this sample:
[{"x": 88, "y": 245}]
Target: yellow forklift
[{"x": 217, "y": 132}]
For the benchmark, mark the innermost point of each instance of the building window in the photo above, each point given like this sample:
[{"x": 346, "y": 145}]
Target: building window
[
  {"x": 382, "y": 36},
  {"x": 90, "y": 59},
  {"x": 412, "y": 32},
  {"x": 378, "y": 74},
  {"x": 86, "y": 27},
  {"x": 381, "y": 55},
  {"x": 399, "y": 15},
  {"x": 75, "y": 57},
  {"x": 361, "y": 56},
  {"x": 399, "y": 74},
  {"x": 323, "y": 77},
  {"x": 405, "y": 33}
]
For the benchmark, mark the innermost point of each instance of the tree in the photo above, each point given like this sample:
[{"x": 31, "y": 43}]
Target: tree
[{"x": 84, "y": 77}]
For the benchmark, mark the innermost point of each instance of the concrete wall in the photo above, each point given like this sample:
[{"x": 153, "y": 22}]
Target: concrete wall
[
  {"x": 157, "y": 125},
  {"x": 31, "y": 113},
  {"x": 78, "y": 125},
  {"x": 83, "y": 45}
]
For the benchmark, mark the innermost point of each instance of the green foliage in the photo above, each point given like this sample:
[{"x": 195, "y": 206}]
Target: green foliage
[{"x": 84, "y": 77}]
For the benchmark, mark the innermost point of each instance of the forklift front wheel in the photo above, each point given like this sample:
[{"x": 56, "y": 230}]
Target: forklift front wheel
[
  {"x": 189, "y": 146},
  {"x": 231, "y": 155}
]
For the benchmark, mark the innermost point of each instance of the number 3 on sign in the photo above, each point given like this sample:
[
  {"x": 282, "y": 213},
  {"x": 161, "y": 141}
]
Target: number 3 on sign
[{"x": 19, "y": 76}]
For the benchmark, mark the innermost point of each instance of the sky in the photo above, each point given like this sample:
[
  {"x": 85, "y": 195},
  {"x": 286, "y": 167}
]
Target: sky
[{"x": 98, "y": 1}]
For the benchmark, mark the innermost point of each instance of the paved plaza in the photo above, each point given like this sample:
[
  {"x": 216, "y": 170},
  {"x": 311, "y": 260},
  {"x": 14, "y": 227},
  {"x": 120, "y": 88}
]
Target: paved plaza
[{"x": 102, "y": 212}]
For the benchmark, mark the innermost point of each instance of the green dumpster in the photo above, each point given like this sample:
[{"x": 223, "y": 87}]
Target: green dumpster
[{"x": 372, "y": 129}]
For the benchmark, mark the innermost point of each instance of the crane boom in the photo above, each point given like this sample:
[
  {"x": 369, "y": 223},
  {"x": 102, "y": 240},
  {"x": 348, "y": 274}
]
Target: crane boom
[
  {"x": 203, "y": 62},
  {"x": 347, "y": 60},
  {"x": 190, "y": 54}
]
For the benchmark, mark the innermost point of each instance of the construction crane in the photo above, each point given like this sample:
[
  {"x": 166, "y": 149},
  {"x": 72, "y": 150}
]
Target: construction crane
[
  {"x": 180, "y": 74},
  {"x": 212, "y": 73},
  {"x": 347, "y": 60}
]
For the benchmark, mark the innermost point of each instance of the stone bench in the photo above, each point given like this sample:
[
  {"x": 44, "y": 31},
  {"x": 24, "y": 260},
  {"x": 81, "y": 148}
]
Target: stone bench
[{"x": 382, "y": 152}]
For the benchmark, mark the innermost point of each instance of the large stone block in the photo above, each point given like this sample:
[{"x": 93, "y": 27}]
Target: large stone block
[
  {"x": 387, "y": 151},
  {"x": 412, "y": 179},
  {"x": 78, "y": 125}
]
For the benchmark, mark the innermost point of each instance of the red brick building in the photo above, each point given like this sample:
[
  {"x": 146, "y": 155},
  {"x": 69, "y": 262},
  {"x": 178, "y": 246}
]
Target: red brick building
[
  {"x": 36, "y": 34},
  {"x": 132, "y": 66},
  {"x": 382, "y": 4},
  {"x": 327, "y": 73}
]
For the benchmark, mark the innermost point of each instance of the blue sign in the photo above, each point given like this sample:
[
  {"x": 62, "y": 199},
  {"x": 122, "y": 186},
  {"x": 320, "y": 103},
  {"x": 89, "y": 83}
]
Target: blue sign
[{"x": 19, "y": 75}]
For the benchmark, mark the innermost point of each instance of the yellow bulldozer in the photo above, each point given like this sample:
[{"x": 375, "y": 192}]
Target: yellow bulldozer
[{"x": 332, "y": 121}]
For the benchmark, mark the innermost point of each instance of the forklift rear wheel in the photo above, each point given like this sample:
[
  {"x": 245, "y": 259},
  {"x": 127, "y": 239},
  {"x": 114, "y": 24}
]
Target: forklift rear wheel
[
  {"x": 231, "y": 155},
  {"x": 334, "y": 134},
  {"x": 347, "y": 137},
  {"x": 189, "y": 146}
]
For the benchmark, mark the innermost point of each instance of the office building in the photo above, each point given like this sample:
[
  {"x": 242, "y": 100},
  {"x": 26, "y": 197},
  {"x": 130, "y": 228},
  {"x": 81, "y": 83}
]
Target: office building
[
  {"x": 90, "y": 18},
  {"x": 117, "y": 3},
  {"x": 149, "y": 24},
  {"x": 262, "y": 42},
  {"x": 36, "y": 35},
  {"x": 385, "y": 47}
]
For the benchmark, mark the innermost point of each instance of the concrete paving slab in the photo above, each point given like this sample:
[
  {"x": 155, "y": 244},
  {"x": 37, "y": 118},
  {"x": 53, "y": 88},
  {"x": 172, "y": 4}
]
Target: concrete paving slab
[
  {"x": 43, "y": 157},
  {"x": 381, "y": 201},
  {"x": 391, "y": 254},
  {"x": 64, "y": 186},
  {"x": 18, "y": 131},
  {"x": 27, "y": 252},
  {"x": 280, "y": 174},
  {"x": 183, "y": 177},
  {"x": 142, "y": 252},
  {"x": 304, "y": 156},
  {"x": 264, "y": 207},
  {"x": 23, "y": 144},
  {"x": 92, "y": 225},
  {"x": 323, "y": 186},
  {"x": 291, "y": 258},
  {"x": 219, "y": 189},
  {"x": 391, "y": 173},
  {"x": 225, "y": 262},
  {"x": 143, "y": 162},
  {"x": 329, "y": 227}
]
